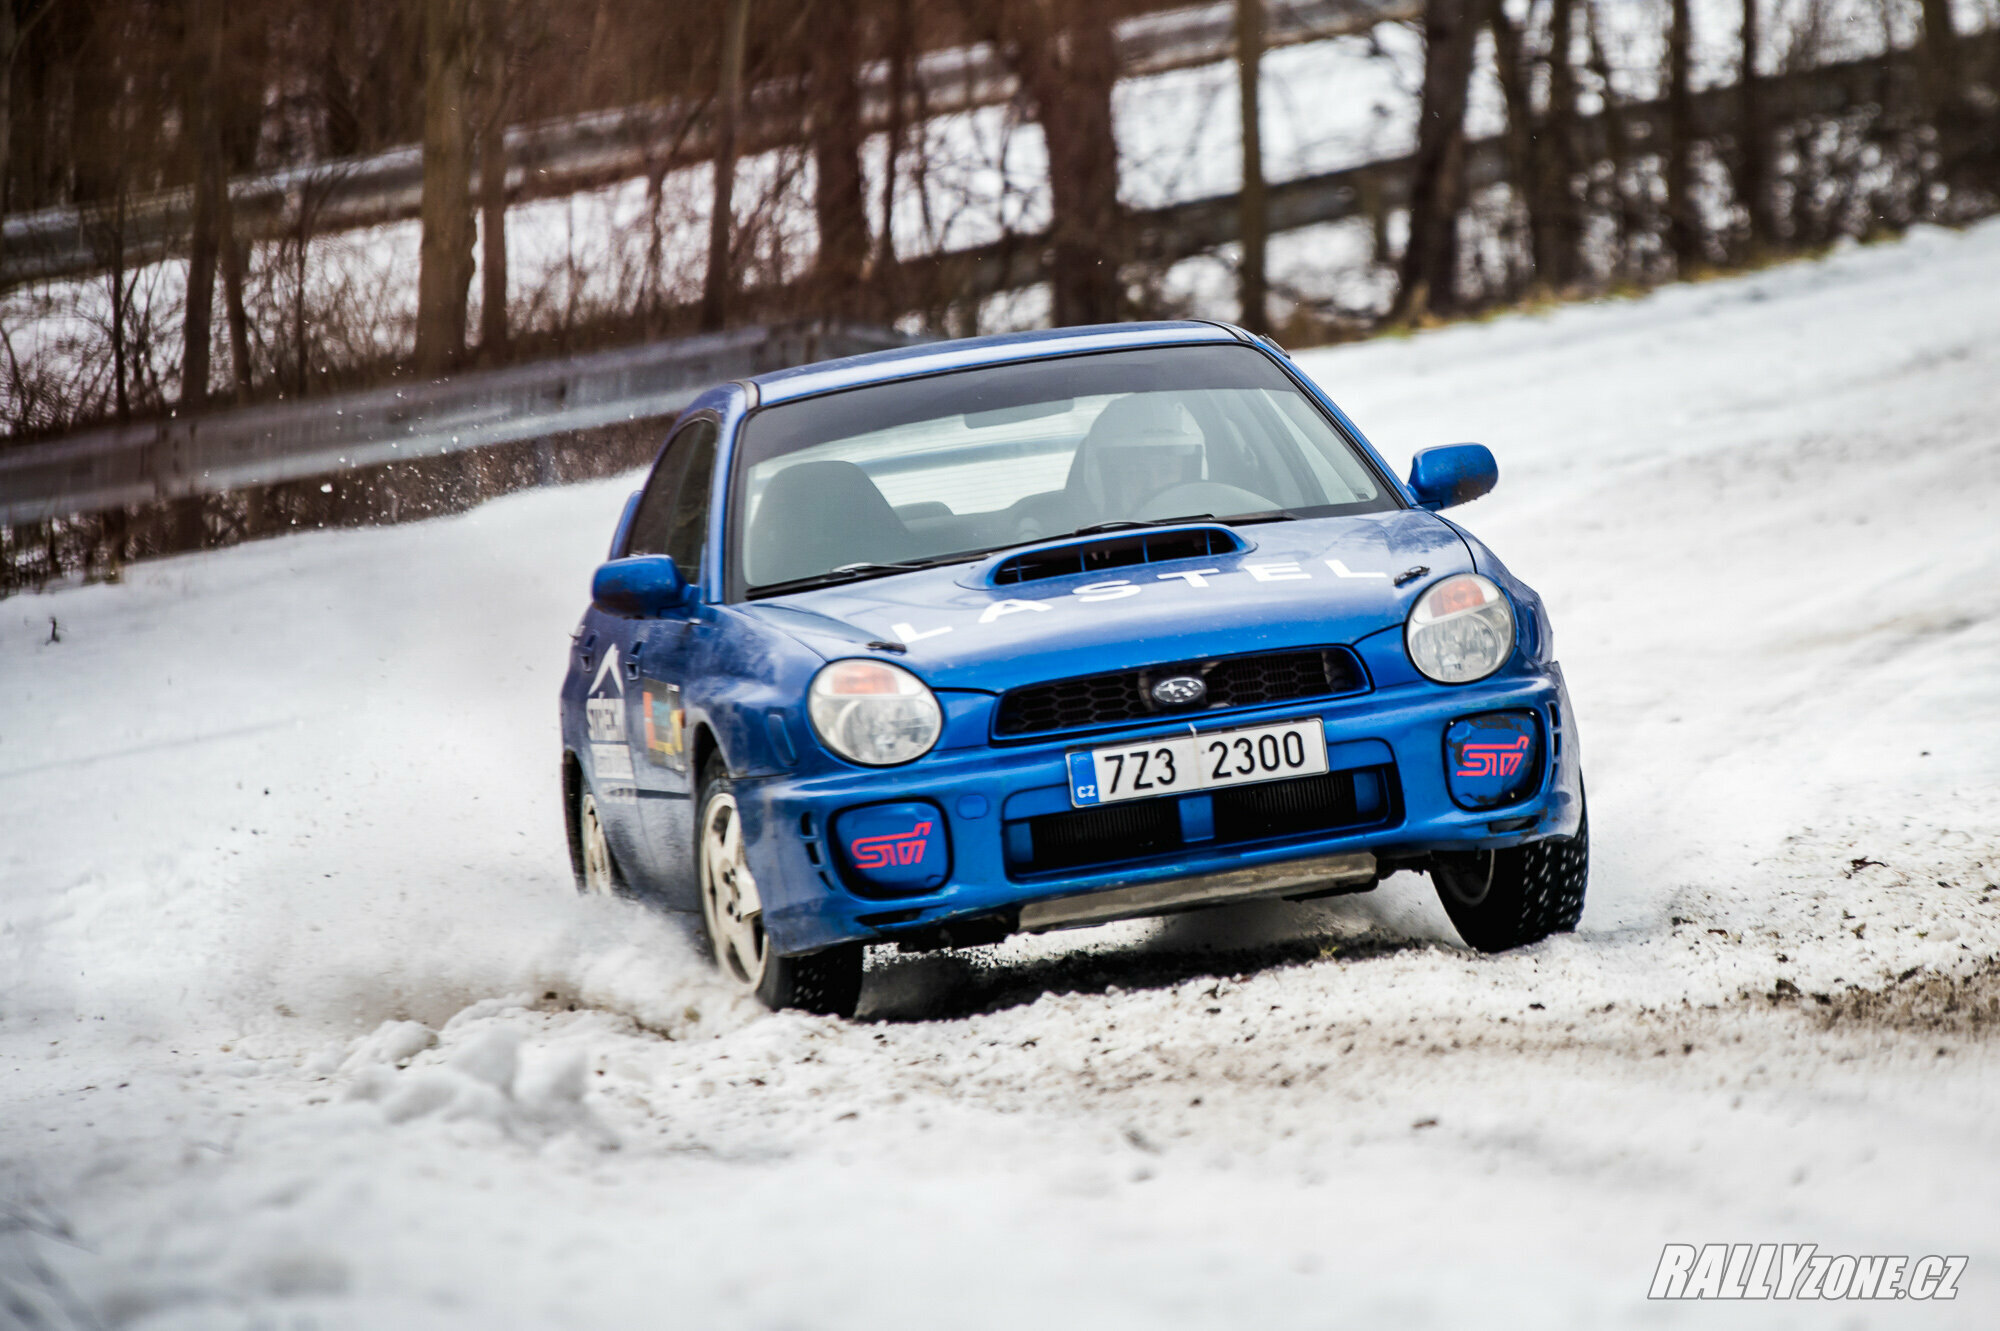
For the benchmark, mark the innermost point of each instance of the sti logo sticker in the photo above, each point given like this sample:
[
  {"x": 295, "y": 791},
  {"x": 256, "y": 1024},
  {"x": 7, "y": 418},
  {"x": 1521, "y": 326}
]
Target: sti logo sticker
[
  {"x": 901, "y": 849},
  {"x": 1492, "y": 759},
  {"x": 666, "y": 724}
]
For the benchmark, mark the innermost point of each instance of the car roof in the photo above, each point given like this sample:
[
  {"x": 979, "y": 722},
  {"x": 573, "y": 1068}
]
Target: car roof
[{"x": 876, "y": 367}]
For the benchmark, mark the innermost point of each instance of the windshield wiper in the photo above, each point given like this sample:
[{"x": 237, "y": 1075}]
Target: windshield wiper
[
  {"x": 1130, "y": 523},
  {"x": 834, "y": 577},
  {"x": 1095, "y": 528}
]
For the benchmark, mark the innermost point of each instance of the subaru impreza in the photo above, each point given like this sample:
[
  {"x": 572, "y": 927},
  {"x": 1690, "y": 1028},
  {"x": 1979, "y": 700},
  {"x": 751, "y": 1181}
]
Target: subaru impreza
[{"x": 940, "y": 644}]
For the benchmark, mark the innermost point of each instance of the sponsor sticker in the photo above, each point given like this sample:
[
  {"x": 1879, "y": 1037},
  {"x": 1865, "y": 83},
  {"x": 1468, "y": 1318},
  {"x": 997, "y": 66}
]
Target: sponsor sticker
[
  {"x": 665, "y": 724},
  {"x": 1799, "y": 1271},
  {"x": 611, "y": 762}
]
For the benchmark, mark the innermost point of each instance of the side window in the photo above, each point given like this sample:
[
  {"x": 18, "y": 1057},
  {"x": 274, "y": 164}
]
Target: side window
[
  {"x": 673, "y": 510},
  {"x": 687, "y": 531}
]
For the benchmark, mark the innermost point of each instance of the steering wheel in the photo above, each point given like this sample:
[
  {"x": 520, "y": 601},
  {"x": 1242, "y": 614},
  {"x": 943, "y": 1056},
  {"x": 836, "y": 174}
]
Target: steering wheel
[{"x": 1201, "y": 497}]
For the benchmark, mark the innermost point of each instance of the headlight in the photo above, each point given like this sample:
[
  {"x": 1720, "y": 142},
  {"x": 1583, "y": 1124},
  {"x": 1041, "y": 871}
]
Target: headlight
[
  {"x": 1460, "y": 630},
  {"x": 873, "y": 712}
]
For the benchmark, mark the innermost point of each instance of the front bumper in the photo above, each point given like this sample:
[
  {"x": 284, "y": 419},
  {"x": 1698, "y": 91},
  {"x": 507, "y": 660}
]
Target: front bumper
[{"x": 980, "y": 792}]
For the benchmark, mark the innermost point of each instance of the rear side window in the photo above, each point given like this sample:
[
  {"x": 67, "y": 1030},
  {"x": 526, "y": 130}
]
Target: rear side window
[{"x": 673, "y": 512}]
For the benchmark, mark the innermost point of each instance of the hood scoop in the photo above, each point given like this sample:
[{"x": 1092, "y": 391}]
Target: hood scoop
[{"x": 1113, "y": 550}]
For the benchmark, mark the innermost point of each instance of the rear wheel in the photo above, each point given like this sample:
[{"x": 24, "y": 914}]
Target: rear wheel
[
  {"x": 732, "y": 910},
  {"x": 1501, "y": 899}
]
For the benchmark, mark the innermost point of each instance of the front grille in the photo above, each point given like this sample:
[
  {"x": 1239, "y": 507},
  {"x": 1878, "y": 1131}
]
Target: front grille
[
  {"x": 1283, "y": 808},
  {"x": 1114, "y": 832},
  {"x": 1119, "y": 833},
  {"x": 1126, "y": 695}
]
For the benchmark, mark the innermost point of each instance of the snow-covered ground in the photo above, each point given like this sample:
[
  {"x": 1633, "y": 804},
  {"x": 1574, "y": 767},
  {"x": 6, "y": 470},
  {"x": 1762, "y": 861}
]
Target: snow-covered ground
[{"x": 302, "y": 1025}]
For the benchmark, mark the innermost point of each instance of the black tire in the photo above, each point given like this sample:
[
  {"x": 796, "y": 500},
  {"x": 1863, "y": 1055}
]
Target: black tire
[
  {"x": 1501, "y": 899},
  {"x": 827, "y": 982}
]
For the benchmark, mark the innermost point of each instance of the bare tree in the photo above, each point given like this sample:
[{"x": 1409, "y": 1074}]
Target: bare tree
[
  {"x": 445, "y": 272},
  {"x": 494, "y": 50},
  {"x": 1510, "y": 61},
  {"x": 1753, "y": 139},
  {"x": 840, "y": 202},
  {"x": 1617, "y": 142},
  {"x": 720, "y": 281},
  {"x": 200, "y": 66},
  {"x": 1253, "y": 286},
  {"x": 1560, "y": 160},
  {"x": 1428, "y": 278},
  {"x": 14, "y": 30},
  {"x": 1683, "y": 224},
  {"x": 902, "y": 54},
  {"x": 1067, "y": 60}
]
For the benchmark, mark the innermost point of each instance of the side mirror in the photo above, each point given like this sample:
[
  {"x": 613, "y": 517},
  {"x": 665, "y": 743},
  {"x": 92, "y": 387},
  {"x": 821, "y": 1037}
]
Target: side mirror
[
  {"x": 1453, "y": 474},
  {"x": 641, "y": 587}
]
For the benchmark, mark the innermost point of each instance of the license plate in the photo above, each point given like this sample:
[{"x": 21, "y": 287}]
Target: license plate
[{"x": 1183, "y": 763}]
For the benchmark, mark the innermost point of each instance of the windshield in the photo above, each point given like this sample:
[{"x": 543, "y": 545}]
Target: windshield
[{"x": 969, "y": 462}]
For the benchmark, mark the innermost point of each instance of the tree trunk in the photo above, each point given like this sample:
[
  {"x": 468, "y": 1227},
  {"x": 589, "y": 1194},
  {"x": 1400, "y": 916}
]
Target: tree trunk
[
  {"x": 1754, "y": 140},
  {"x": 1616, "y": 140},
  {"x": 1562, "y": 236},
  {"x": 119, "y": 293},
  {"x": 444, "y": 275},
  {"x": 719, "y": 283},
  {"x": 1524, "y": 170},
  {"x": 1068, "y": 63},
  {"x": 1941, "y": 48},
  {"x": 1683, "y": 223},
  {"x": 1254, "y": 223},
  {"x": 10, "y": 41},
  {"x": 493, "y": 179},
  {"x": 235, "y": 258},
  {"x": 840, "y": 200},
  {"x": 211, "y": 183},
  {"x": 902, "y": 55},
  {"x": 1951, "y": 114},
  {"x": 13, "y": 32},
  {"x": 1429, "y": 278}
]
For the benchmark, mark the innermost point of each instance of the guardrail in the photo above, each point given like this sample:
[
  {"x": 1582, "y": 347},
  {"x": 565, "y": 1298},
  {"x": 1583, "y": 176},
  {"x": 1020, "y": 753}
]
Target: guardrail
[{"x": 213, "y": 453}]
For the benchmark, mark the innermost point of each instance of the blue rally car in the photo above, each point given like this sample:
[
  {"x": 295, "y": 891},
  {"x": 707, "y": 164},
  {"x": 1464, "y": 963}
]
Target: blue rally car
[{"x": 943, "y": 643}]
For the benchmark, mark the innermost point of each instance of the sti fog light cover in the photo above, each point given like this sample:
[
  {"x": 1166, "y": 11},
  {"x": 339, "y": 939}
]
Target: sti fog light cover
[
  {"x": 1492, "y": 759},
  {"x": 1460, "y": 630},
  {"x": 896, "y": 849},
  {"x": 874, "y": 713}
]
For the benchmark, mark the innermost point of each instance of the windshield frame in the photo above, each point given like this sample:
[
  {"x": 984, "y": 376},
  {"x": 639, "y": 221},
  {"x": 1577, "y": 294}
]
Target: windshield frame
[{"x": 736, "y": 590}]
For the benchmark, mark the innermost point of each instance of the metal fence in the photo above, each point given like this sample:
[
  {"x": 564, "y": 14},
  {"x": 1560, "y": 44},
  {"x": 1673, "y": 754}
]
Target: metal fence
[{"x": 130, "y": 465}]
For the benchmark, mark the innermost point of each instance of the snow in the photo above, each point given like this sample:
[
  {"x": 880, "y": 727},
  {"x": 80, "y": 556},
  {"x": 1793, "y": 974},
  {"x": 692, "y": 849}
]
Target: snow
[{"x": 302, "y": 1024}]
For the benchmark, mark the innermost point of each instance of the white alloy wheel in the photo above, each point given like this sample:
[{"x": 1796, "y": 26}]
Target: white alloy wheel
[
  {"x": 729, "y": 902},
  {"x": 599, "y": 880}
]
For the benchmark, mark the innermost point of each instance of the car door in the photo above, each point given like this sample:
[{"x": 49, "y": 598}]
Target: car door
[
  {"x": 605, "y": 647},
  {"x": 673, "y": 523}
]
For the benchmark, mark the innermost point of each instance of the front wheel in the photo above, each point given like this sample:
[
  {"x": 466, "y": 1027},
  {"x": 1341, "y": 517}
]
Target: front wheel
[
  {"x": 1501, "y": 899},
  {"x": 733, "y": 912}
]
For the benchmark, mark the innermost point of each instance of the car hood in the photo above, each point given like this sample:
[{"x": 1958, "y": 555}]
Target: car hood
[{"x": 1316, "y": 581}]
